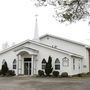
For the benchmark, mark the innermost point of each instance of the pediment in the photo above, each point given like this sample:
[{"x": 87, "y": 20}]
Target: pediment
[{"x": 29, "y": 50}]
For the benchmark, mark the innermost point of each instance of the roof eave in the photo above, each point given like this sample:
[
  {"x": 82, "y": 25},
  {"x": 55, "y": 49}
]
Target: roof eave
[
  {"x": 60, "y": 38},
  {"x": 40, "y": 44}
]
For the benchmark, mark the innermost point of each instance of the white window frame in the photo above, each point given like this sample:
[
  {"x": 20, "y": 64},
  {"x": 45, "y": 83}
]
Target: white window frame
[
  {"x": 14, "y": 64},
  {"x": 73, "y": 63},
  {"x": 57, "y": 64},
  {"x": 43, "y": 64},
  {"x": 65, "y": 62}
]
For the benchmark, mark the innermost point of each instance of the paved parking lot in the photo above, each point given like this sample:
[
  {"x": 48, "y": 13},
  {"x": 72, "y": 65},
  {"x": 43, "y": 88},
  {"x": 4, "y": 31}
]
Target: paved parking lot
[{"x": 31, "y": 83}]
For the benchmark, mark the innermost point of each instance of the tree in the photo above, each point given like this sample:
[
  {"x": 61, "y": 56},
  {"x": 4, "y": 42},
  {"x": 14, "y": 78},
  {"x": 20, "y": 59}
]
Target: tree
[
  {"x": 48, "y": 68},
  {"x": 4, "y": 68},
  {"x": 67, "y": 10}
]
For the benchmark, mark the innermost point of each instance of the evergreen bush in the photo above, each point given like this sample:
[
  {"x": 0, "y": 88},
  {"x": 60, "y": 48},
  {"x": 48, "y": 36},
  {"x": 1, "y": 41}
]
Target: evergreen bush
[
  {"x": 10, "y": 73},
  {"x": 0, "y": 72},
  {"x": 48, "y": 68},
  {"x": 64, "y": 74},
  {"x": 88, "y": 73},
  {"x": 40, "y": 73},
  {"x": 4, "y": 68},
  {"x": 79, "y": 75},
  {"x": 55, "y": 73}
]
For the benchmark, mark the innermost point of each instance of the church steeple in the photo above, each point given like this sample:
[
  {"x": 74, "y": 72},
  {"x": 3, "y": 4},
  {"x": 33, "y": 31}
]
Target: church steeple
[{"x": 36, "y": 33}]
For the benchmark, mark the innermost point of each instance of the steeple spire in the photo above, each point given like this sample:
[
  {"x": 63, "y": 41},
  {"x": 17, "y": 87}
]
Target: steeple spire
[{"x": 36, "y": 35}]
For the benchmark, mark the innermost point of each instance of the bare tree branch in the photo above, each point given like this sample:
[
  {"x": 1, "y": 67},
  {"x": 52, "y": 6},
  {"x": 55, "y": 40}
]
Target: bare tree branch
[{"x": 67, "y": 10}]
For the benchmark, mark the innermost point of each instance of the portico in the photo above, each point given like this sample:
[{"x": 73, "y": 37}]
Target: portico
[{"x": 26, "y": 61}]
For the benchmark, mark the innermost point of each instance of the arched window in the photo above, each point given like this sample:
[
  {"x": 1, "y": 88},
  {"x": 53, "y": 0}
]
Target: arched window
[
  {"x": 14, "y": 64},
  {"x": 43, "y": 64},
  {"x": 65, "y": 62},
  {"x": 57, "y": 64}
]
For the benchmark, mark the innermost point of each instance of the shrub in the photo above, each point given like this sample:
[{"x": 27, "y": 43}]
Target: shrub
[
  {"x": 4, "y": 68},
  {"x": 88, "y": 73},
  {"x": 10, "y": 73},
  {"x": 40, "y": 73},
  {"x": 80, "y": 75},
  {"x": 0, "y": 72},
  {"x": 55, "y": 73},
  {"x": 48, "y": 68},
  {"x": 64, "y": 74}
]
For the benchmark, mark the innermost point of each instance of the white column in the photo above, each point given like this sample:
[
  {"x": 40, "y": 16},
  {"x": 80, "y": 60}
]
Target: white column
[
  {"x": 22, "y": 66},
  {"x": 32, "y": 66},
  {"x": 19, "y": 65},
  {"x": 35, "y": 64}
]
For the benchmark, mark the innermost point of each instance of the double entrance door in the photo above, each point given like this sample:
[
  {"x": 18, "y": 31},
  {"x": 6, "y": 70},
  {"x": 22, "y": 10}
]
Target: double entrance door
[{"x": 27, "y": 66}]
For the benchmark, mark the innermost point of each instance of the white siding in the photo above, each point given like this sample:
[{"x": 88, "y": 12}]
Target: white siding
[
  {"x": 65, "y": 45},
  {"x": 9, "y": 57},
  {"x": 45, "y": 53},
  {"x": 86, "y": 61}
]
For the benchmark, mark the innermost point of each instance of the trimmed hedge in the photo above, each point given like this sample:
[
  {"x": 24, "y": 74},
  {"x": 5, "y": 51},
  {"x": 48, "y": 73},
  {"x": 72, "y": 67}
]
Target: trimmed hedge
[
  {"x": 55, "y": 73},
  {"x": 40, "y": 72},
  {"x": 0, "y": 72},
  {"x": 88, "y": 73},
  {"x": 64, "y": 74},
  {"x": 4, "y": 68},
  {"x": 10, "y": 73},
  {"x": 79, "y": 75},
  {"x": 48, "y": 68}
]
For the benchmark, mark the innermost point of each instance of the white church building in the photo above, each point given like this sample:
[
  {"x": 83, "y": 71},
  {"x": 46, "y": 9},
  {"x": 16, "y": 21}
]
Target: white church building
[{"x": 29, "y": 56}]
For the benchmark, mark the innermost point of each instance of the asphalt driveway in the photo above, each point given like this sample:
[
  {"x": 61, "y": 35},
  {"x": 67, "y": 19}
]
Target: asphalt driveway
[{"x": 32, "y": 83}]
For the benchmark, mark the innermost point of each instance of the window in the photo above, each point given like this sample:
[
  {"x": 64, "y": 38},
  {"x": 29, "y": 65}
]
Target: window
[
  {"x": 14, "y": 64},
  {"x": 65, "y": 62},
  {"x": 43, "y": 64},
  {"x": 73, "y": 63},
  {"x": 57, "y": 64}
]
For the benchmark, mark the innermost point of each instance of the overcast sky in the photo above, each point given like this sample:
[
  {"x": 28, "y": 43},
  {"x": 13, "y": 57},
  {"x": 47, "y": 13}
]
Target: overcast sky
[{"x": 17, "y": 23}]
